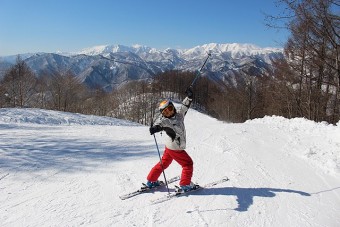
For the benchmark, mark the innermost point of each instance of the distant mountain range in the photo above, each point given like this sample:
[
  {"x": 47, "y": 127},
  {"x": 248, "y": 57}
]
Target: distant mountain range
[{"x": 110, "y": 66}]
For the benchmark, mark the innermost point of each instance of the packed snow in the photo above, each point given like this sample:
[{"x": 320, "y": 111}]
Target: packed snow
[{"x": 63, "y": 169}]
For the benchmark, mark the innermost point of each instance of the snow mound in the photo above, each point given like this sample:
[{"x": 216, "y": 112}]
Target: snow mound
[
  {"x": 317, "y": 142},
  {"x": 49, "y": 117},
  {"x": 295, "y": 124}
]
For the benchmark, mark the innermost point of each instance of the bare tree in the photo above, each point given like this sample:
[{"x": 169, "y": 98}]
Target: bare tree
[
  {"x": 18, "y": 84},
  {"x": 4, "y": 97},
  {"x": 312, "y": 53},
  {"x": 42, "y": 94},
  {"x": 67, "y": 92}
]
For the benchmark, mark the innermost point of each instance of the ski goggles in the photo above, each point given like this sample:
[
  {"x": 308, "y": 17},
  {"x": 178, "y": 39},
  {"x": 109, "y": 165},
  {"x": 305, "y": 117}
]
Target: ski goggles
[
  {"x": 168, "y": 109},
  {"x": 166, "y": 105}
]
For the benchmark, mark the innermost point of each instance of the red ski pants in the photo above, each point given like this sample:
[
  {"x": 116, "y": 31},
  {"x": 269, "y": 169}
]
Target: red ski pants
[{"x": 179, "y": 156}]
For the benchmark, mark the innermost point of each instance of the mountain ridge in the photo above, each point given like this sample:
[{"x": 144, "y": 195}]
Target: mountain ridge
[
  {"x": 235, "y": 48},
  {"x": 111, "y": 66}
]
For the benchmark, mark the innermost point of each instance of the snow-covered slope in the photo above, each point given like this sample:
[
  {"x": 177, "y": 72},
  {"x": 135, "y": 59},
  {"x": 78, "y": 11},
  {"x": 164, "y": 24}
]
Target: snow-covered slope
[
  {"x": 46, "y": 117},
  {"x": 57, "y": 172}
]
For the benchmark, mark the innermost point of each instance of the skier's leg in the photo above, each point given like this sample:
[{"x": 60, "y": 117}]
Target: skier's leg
[
  {"x": 187, "y": 164},
  {"x": 156, "y": 171}
]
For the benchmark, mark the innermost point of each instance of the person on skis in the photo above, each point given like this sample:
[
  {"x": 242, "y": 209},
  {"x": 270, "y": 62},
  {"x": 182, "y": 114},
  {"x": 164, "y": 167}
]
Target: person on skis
[{"x": 172, "y": 122}]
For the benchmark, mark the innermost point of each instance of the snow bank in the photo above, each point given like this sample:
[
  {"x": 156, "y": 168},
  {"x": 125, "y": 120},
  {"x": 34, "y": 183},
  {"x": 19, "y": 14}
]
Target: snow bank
[
  {"x": 48, "y": 117},
  {"x": 317, "y": 142}
]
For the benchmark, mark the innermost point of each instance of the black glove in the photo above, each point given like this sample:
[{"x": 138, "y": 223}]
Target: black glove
[
  {"x": 154, "y": 129},
  {"x": 189, "y": 92}
]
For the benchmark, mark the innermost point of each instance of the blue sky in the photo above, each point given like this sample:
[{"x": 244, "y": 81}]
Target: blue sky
[{"x": 71, "y": 25}]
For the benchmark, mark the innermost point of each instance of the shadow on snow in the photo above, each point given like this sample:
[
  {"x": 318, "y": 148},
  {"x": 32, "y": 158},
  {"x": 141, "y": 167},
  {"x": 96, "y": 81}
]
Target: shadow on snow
[
  {"x": 41, "y": 152},
  {"x": 245, "y": 196}
]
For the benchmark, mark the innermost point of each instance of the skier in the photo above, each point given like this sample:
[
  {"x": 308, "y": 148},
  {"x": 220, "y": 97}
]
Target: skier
[{"x": 172, "y": 122}]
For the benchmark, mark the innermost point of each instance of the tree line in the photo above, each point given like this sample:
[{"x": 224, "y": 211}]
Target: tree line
[
  {"x": 306, "y": 83},
  {"x": 309, "y": 77}
]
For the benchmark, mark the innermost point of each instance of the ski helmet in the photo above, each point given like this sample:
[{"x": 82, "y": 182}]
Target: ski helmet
[{"x": 165, "y": 104}]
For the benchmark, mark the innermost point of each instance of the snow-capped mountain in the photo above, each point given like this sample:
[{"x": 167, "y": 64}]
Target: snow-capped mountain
[
  {"x": 110, "y": 66},
  {"x": 236, "y": 50},
  {"x": 107, "y": 49}
]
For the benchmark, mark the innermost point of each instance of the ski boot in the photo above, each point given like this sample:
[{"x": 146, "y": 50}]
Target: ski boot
[
  {"x": 150, "y": 184},
  {"x": 186, "y": 188}
]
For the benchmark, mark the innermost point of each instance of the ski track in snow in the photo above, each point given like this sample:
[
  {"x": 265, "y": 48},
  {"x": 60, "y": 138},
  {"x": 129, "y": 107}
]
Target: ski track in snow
[{"x": 56, "y": 173}]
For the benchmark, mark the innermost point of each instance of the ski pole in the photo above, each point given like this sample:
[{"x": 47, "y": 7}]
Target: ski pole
[
  {"x": 199, "y": 72},
  {"x": 160, "y": 161}
]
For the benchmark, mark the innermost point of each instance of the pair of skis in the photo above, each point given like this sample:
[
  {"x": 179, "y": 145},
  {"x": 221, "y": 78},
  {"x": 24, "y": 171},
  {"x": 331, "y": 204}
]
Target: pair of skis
[
  {"x": 175, "y": 194},
  {"x": 183, "y": 193},
  {"x": 146, "y": 189}
]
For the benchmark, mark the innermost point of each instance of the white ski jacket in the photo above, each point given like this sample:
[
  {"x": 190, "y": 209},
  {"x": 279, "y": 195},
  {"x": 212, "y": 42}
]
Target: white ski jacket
[{"x": 174, "y": 127}]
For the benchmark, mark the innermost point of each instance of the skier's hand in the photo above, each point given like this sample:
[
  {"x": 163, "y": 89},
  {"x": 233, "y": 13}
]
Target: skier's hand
[
  {"x": 189, "y": 92},
  {"x": 154, "y": 129}
]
